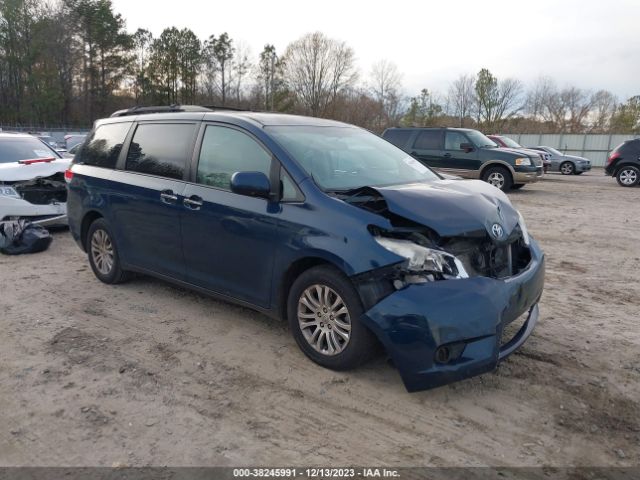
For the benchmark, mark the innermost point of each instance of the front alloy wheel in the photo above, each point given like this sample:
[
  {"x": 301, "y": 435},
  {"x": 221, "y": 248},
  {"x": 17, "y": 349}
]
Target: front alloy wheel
[
  {"x": 499, "y": 177},
  {"x": 567, "y": 168},
  {"x": 628, "y": 176},
  {"x": 324, "y": 310},
  {"x": 496, "y": 179},
  {"x": 324, "y": 319}
]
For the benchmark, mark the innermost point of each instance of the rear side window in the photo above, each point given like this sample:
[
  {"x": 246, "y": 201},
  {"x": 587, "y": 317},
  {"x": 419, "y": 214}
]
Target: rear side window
[
  {"x": 161, "y": 149},
  {"x": 398, "y": 137},
  {"x": 103, "y": 145},
  {"x": 226, "y": 151},
  {"x": 428, "y": 140}
]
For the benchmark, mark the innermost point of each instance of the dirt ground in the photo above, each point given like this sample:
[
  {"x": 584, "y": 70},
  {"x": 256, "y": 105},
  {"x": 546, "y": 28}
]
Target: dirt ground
[{"x": 148, "y": 374}]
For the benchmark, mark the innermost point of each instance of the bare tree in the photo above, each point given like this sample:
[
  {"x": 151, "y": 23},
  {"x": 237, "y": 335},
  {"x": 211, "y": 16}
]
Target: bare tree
[
  {"x": 386, "y": 83},
  {"x": 317, "y": 68},
  {"x": 461, "y": 97},
  {"x": 537, "y": 98},
  {"x": 241, "y": 66},
  {"x": 603, "y": 107}
]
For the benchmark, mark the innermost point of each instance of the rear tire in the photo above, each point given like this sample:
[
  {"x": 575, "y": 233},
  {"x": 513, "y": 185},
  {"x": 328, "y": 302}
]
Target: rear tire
[
  {"x": 567, "y": 168},
  {"x": 628, "y": 176},
  {"x": 517, "y": 186},
  {"x": 499, "y": 177},
  {"x": 324, "y": 312},
  {"x": 103, "y": 253}
]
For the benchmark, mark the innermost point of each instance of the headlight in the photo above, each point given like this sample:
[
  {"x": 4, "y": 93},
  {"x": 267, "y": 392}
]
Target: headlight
[
  {"x": 523, "y": 227},
  {"x": 424, "y": 260},
  {"x": 523, "y": 161},
  {"x": 8, "y": 192}
]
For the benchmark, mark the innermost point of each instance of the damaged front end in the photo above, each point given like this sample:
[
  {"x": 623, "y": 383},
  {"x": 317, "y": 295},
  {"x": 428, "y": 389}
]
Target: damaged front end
[
  {"x": 442, "y": 310},
  {"x": 42, "y": 200}
]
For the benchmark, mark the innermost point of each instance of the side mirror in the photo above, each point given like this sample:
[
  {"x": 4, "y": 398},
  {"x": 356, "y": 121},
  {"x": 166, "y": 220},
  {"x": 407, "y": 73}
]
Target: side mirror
[
  {"x": 251, "y": 184},
  {"x": 467, "y": 147}
]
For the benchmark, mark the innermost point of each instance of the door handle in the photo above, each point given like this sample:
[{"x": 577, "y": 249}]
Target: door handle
[
  {"x": 193, "y": 202},
  {"x": 447, "y": 155},
  {"x": 168, "y": 197}
]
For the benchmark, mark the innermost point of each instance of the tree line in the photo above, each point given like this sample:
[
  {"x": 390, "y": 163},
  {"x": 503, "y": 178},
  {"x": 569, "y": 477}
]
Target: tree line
[{"x": 69, "y": 62}]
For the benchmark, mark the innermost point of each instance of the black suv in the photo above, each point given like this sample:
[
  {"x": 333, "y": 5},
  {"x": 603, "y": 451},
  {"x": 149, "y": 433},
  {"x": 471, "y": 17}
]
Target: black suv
[
  {"x": 624, "y": 163},
  {"x": 468, "y": 153}
]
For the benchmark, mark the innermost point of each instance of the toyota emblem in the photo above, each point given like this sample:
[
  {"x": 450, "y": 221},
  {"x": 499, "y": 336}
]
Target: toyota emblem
[{"x": 497, "y": 230}]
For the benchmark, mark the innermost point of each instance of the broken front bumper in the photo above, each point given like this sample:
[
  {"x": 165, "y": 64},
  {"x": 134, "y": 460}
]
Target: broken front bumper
[
  {"x": 45, "y": 215},
  {"x": 464, "y": 318}
]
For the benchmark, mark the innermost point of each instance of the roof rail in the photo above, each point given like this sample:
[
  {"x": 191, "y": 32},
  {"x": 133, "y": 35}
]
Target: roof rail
[
  {"x": 222, "y": 107},
  {"x": 138, "y": 110}
]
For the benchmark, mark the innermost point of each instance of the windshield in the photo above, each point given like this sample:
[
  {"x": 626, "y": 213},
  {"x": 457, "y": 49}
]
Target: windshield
[
  {"x": 24, "y": 148},
  {"x": 345, "y": 158},
  {"x": 480, "y": 140},
  {"x": 511, "y": 143}
]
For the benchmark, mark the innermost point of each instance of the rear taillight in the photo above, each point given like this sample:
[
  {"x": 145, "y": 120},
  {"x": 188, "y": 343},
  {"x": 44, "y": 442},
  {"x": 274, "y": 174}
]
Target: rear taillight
[
  {"x": 612, "y": 157},
  {"x": 68, "y": 175}
]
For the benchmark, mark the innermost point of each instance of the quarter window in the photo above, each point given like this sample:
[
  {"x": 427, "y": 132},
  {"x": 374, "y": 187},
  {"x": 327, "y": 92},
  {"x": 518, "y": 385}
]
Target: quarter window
[
  {"x": 428, "y": 140},
  {"x": 161, "y": 149},
  {"x": 102, "y": 148},
  {"x": 226, "y": 151}
]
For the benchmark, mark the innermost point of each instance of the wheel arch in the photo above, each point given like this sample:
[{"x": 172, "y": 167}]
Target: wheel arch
[
  {"x": 497, "y": 163},
  {"x": 293, "y": 271},
  {"x": 625, "y": 164},
  {"x": 90, "y": 217}
]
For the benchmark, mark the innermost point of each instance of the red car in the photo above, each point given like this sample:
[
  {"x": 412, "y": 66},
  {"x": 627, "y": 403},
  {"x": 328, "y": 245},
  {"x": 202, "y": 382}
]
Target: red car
[{"x": 506, "y": 142}]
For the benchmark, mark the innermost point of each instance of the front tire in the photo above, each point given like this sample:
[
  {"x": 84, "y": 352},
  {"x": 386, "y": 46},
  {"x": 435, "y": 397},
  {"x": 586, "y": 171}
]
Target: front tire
[
  {"x": 103, "y": 253},
  {"x": 567, "y": 168},
  {"x": 499, "y": 177},
  {"x": 324, "y": 312},
  {"x": 628, "y": 176}
]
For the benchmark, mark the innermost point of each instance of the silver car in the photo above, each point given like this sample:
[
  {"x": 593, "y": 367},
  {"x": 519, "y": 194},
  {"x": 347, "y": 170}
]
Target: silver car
[{"x": 565, "y": 164}]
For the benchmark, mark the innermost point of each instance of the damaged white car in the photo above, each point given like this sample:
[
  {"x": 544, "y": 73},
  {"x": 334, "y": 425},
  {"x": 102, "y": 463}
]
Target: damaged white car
[{"x": 32, "y": 184}]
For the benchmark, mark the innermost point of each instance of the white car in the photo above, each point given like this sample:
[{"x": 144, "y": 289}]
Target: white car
[{"x": 32, "y": 184}]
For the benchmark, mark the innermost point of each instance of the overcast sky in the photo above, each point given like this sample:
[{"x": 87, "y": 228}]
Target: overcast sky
[{"x": 590, "y": 43}]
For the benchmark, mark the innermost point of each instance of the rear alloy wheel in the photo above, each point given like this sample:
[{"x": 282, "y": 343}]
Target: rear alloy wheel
[
  {"x": 567, "y": 168},
  {"x": 628, "y": 176},
  {"x": 324, "y": 312},
  {"x": 103, "y": 254},
  {"x": 499, "y": 177}
]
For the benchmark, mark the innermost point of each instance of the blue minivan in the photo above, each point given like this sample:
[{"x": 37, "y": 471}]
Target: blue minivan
[{"x": 358, "y": 245}]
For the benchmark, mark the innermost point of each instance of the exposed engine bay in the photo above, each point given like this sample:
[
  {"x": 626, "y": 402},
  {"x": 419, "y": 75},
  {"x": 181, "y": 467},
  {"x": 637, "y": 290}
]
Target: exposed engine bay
[
  {"x": 41, "y": 191},
  {"x": 430, "y": 256}
]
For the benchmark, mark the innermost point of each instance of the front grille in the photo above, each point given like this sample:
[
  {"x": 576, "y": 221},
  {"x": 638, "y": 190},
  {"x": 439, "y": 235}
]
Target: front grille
[{"x": 495, "y": 260}]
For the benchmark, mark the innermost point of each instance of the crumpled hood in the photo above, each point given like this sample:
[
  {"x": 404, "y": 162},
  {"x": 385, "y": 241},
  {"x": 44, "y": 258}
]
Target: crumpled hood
[
  {"x": 17, "y": 172},
  {"x": 453, "y": 207}
]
